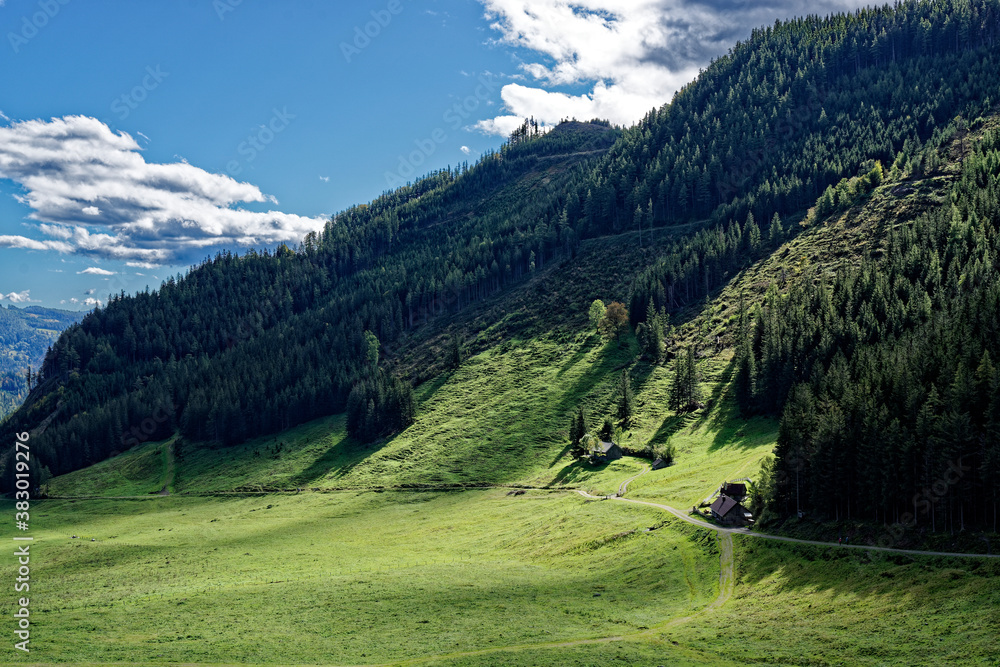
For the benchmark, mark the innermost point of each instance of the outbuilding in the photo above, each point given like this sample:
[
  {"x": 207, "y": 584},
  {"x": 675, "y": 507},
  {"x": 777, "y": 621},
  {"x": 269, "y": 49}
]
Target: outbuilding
[{"x": 607, "y": 451}]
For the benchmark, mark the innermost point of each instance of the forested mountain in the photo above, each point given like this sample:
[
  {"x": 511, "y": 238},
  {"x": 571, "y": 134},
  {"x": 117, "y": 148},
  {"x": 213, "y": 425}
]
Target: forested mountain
[
  {"x": 884, "y": 373},
  {"x": 25, "y": 335},
  {"x": 811, "y": 113}
]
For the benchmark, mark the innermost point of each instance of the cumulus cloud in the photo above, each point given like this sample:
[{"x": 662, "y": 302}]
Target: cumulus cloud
[
  {"x": 466, "y": 150},
  {"x": 32, "y": 244},
  {"x": 93, "y": 193},
  {"x": 633, "y": 55},
  {"x": 17, "y": 297},
  {"x": 95, "y": 271}
]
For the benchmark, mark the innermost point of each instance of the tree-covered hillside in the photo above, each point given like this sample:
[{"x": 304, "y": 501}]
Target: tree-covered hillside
[
  {"x": 884, "y": 373},
  {"x": 811, "y": 110},
  {"x": 244, "y": 346}
]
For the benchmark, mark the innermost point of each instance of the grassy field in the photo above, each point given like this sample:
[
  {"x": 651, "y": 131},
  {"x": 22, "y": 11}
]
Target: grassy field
[
  {"x": 352, "y": 578},
  {"x": 802, "y": 605}
]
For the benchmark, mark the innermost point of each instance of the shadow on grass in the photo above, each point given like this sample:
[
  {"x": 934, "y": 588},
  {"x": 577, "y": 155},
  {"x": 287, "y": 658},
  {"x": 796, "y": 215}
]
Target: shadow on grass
[
  {"x": 669, "y": 427},
  {"x": 720, "y": 396},
  {"x": 807, "y": 568},
  {"x": 342, "y": 457},
  {"x": 573, "y": 472},
  {"x": 576, "y": 358}
]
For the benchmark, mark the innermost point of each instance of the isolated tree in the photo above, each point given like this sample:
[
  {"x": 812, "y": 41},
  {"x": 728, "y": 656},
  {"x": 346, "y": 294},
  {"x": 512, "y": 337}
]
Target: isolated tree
[
  {"x": 684, "y": 391},
  {"x": 578, "y": 427},
  {"x": 776, "y": 231},
  {"x": 615, "y": 320},
  {"x": 752, "y": 233},
  {"x": 607, "y": 429},
  {"x": 596, "y": 314},
  {"x": 371, "y": 349},
  {"x": 626, "y": 400},
  {"x": 653, "y": 333}
]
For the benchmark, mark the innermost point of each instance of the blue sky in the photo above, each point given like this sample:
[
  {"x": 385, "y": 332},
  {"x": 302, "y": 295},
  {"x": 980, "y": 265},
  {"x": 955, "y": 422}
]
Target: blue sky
[{"x": 136, "y": 138}]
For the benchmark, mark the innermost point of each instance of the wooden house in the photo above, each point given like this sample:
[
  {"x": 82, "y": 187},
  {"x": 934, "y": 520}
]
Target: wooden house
[
  {"x": 729, "y": 512},
  {"x": 607, "y": 452}
]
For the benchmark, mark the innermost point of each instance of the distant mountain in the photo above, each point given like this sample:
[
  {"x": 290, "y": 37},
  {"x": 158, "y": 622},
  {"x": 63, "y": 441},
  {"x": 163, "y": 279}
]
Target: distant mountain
[{"x": 25, "y": 335}]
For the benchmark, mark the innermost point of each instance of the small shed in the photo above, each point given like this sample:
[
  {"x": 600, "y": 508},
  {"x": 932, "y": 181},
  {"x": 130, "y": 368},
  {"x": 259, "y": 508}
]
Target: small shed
[
  {"x": 736, "y": 491},
  {"x": 729, "y": 512},
  {"x": 659, "y": 464},
  {"x": 607, "y": 451}
]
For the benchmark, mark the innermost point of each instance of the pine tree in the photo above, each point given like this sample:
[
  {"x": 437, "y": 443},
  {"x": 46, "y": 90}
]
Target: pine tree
[
  {"x": 776, "y": 233},
  {"x": 626, "y": 400}
]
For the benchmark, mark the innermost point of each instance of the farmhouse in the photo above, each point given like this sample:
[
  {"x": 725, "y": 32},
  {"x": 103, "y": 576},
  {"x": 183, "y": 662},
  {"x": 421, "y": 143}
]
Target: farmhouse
[
  {"x": 606, "y": 451},
  {"x": 729, "y": 512}
]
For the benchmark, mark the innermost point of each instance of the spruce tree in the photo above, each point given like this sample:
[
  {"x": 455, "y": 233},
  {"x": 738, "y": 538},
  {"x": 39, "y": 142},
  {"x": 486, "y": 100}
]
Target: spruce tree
[{"x": 626, "y": 400}]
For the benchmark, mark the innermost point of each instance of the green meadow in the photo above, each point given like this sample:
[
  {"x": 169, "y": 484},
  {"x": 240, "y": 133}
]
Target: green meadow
[
  {"x": 351, "y": 578},
  {"x": 382, "y": 559}
]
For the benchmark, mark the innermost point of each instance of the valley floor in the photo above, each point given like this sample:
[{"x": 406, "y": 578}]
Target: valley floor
[{"x": 373, "y": 562}]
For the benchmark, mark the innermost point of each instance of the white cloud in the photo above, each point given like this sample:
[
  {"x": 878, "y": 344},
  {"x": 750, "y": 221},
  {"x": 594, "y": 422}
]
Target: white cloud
[
  {"x": 466, "y": 150},
  {"x": 90, "y": 291},
  {"x": 74, "y": 300},
  {"x": 32, "y": 244},
  {"x": 632, "y": 55},
  {"x": 325, "y": 179},
  {"x": 95, "y": 271},
  {"x": 93, "y": 302},
  {"x": 17, "y": 297},
  {"x": 142, "y": 265},
  {"x": 70, "y": 167},
  {"x": 3, "y": 116}
]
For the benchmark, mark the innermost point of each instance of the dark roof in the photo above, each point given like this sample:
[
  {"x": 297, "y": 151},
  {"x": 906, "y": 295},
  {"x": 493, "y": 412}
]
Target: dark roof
[
  {"x": 738, "y": 490},
  {"x": 658, "y": 463},
  {"x": 723, "y": 505},
  {"x": 605, "y": 447}
]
